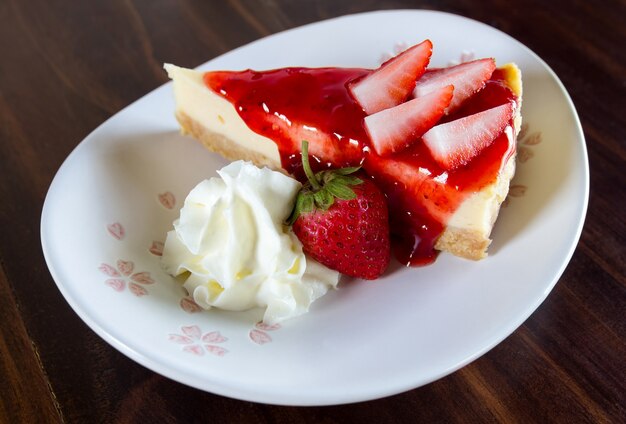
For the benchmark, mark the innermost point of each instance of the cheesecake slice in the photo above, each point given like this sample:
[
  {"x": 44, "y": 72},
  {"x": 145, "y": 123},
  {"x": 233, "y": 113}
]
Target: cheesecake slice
[{"x": 263, "y": 117}]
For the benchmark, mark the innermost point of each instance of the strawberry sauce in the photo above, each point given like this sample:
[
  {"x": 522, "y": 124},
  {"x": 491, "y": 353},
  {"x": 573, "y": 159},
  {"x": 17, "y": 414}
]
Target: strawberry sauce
[
  {"x": 294, "y": 104},
  {"x": 291, "y": 104}
]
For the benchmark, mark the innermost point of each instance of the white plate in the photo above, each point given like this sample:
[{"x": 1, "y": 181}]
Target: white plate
[{"x": 364, "y": 341}]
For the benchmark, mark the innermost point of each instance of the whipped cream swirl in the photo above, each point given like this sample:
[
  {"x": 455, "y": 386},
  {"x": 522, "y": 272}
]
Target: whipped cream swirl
[{"x": 233, "y": 250}]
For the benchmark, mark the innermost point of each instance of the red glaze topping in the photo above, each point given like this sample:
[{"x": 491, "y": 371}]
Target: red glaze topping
[{"x": 294, "y": 104}]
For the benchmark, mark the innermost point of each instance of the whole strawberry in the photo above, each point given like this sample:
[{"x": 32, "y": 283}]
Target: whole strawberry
[{"x": 342, "y": 221}]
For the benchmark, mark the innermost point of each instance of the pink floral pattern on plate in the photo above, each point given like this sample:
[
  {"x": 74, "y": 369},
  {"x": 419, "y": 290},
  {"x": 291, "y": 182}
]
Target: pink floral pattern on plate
[
  {"x": 398, "y": 48},
  {"x": 526, "y": 142},
  {"x": 197, "y": 343},
  {"x": 122, "y": 276},
  {"x": 116, "y": 230},
  {"x": 167, "y": 200},
  {"x": 156, "y": 248},
  {"x": 187, "y": 304},
  {"x": 465, "y": 56},
  {"x": 259, "y": 334}
]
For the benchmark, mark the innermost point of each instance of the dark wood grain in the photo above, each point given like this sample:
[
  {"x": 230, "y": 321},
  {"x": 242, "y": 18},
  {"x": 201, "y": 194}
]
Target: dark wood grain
[
  {"x": 26, "y": 393},
  {"x": 69, "y": 65}
]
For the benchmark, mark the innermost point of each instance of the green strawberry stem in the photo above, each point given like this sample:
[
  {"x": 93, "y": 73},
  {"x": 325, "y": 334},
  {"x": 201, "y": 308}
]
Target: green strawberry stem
[
  {"x": 307, "y": 166},
  {"x": 321, "y": 189}
]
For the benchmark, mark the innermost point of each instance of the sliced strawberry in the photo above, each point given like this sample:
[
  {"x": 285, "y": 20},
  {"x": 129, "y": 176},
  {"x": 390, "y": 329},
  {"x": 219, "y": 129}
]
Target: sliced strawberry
[
  {"x": 412, "y": 189},
  {"x": 396, "y": 128},
  {"x": 392, "y": 83},
  {"x": 467, "y": 78},
  {"x": 455, "y": 143}
]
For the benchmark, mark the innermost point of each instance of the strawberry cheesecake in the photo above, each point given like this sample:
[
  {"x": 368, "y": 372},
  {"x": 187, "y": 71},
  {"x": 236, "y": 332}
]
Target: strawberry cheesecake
[{"x": 439, "y": 142}]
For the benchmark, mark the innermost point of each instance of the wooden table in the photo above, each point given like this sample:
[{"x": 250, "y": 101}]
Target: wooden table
[{"x": 66, "y": 66}]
